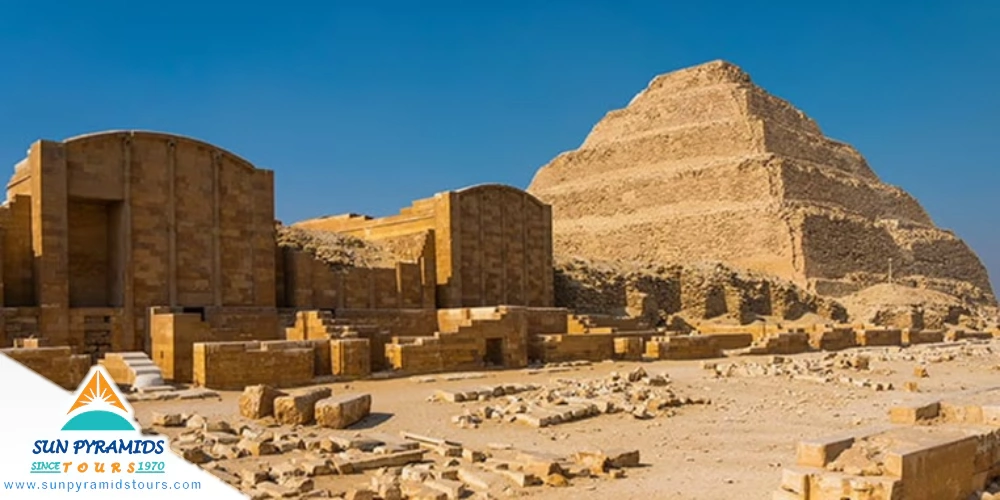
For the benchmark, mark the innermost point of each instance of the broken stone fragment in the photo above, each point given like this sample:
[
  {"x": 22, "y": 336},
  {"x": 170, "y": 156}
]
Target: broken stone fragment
[
  {"x": 258, "y": 448},
  {"x": 341, "y": 412},
  {"x": 299, "y": 408},
  {"x": 196, "y": 456},
  {"x": 556, "y": 480},
  {"x": 168, "y": 419},
  {"x": 257, "y": 401}
]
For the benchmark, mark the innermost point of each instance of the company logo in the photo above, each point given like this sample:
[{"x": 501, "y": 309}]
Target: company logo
[
  {"x": 98, "y": 407},
  {"x": 102, "y": 424}
]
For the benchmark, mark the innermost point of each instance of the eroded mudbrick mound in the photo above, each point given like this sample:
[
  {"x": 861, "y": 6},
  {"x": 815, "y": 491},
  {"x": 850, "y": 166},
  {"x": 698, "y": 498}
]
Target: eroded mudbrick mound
[{"x": 703, "y": 165}]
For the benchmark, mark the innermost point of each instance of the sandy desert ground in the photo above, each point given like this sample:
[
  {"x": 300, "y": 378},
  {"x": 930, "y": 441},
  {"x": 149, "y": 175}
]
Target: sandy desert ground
[{"x": 732, "y": 448}]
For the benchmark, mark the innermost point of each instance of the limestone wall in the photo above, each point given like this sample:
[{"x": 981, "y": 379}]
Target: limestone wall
[
  {"x": 235, "y": 365},
  {"x": 491, "y": 244},
  {"x": 18, "y": 260},
  {"x": 132, "y": 220},
  {"x": 468, "y": 347},
  {"x": 173, "y": 334},
  {"x": 309, "y": 283},
  {"x": 561, "y": 348}
]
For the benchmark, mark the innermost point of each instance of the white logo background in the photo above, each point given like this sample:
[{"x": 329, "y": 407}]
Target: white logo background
[{"x": 35, "y": 408}]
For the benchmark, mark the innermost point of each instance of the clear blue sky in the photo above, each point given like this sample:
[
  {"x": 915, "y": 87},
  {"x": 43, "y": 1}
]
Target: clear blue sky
[{"x": 365, "y": 108}]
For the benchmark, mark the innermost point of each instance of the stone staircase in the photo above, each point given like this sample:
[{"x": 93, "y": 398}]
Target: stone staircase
[
  {"x": 324, "y": 324},
  {"x": 135, "y": 370}
]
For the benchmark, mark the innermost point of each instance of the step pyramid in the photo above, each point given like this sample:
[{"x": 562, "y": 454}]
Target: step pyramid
[{"x": 704, "y": 165}]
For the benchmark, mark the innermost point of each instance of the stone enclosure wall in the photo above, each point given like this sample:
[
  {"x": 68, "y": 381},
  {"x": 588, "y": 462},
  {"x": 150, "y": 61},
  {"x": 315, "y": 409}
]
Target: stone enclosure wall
[
  {"x": 116, "y": 223},
  {"x": 491, "y": 244}
]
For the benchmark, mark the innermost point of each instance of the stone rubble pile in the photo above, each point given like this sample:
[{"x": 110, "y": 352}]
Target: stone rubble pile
[{"x": 637, "y": 393}]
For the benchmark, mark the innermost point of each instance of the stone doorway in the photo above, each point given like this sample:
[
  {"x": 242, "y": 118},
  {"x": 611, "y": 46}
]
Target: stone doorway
[{"x": 494, "y": 352}]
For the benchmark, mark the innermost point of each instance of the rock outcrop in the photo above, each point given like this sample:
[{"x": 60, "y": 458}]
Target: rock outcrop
[{"x": 703, "y": 165}]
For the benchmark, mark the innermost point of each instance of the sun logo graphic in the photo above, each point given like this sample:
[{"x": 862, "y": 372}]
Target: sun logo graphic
[{"x": 99, "y": 406}]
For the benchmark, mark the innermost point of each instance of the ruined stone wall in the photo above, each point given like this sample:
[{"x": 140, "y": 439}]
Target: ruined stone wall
[
  {"x": 132, "y": 220},
  {"x": 491, "y": 244},
  {"x": 58, "y": 364},
  {"x": 173, "y": 334},
  {"x": 547, "y": 320},
  {"x": 18, "y": 259},
  {"x": 235, "y": 365},
  {"x": 695, "y": 292},
  {"x": 562, "y": 348},
  {"x": 18, "y": 323},
  {"x": 309, "y": 283},
  {"x": 467, "y": 346},
  {"x": 839, "y": 247},
  {"x": 397, "y": 322}
]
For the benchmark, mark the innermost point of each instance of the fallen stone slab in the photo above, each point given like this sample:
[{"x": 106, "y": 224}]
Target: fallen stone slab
[
  {"x": 276, "y": 490},
  {"x": 299, "y": 408},
  {"x": 453, "y": 489},
  {"x": 257, "y": 401},
  {"x": 428, "y": 439},
  {"x": 357, "y": 442},
  {"x": 340, "y": 412},
  {"x": 480, "y": 479},
  {"x": 168, "y": 419},
  {"x": 913, "y": 413},
  {"x": 368, "y": 462},
  {"x": 418, "y": 491}
]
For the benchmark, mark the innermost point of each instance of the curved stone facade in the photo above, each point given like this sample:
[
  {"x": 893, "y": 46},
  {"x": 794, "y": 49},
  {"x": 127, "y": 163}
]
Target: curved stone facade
[{"x": 118, "y": 222}]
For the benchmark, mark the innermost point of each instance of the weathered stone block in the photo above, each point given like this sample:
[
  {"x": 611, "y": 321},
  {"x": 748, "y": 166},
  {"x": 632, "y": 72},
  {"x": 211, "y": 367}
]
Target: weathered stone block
[
  {"x": 257, "y": 401},
  {"x": 341, "y": 412},
  {"x": 299, "y": 408}
]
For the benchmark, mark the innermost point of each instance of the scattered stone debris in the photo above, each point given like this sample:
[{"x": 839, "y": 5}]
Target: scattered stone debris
[
  {"x": 820, "y": 370},
  {"x": 408, "y": 466},
  {"x": 636, "y": 393}
]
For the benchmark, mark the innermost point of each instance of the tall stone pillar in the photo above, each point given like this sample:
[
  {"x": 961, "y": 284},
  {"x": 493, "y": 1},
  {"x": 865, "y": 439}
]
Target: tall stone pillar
[{"x": 49, "y": 241}]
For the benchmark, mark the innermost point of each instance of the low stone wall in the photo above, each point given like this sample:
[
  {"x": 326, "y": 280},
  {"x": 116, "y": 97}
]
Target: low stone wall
[
  {"x": 569, "y": 347},
  {"x": 629, "y": 348},
  {"x": 174, "y": 332},
  {"x": 914, "y": 337},
  {"x": 235, "y": 365},
  {"x": 545, "y": 320},
  {"x": 469, "y": 346},
  {"x": 833, "y": 339},
  {"x": 350, "y": 358},
  {"x": 58, "y": 364},
  {"x": 878, "y": 337},
  {"x": 727, "y": 341},
  {"x": 683, "y": 347}
]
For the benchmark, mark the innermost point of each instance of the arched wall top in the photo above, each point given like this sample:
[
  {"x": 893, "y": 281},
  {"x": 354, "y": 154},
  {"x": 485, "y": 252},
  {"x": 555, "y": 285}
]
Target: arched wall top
[
  {"x": 110, "y": 134},
  {"x": 504, "y": 187}
]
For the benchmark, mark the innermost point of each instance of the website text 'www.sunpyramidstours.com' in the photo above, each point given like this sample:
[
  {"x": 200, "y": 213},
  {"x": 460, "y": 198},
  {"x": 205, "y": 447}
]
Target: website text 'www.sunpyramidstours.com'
[{"x": 83, "y": 486}]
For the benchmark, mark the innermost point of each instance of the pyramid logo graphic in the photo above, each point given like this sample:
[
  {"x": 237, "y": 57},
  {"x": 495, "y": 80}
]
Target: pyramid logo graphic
[{"x": 99, "y": 406}]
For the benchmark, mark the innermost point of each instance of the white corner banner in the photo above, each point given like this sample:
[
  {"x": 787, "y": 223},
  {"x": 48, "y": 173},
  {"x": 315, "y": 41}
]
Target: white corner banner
[{"x": 87, "y": 444}]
